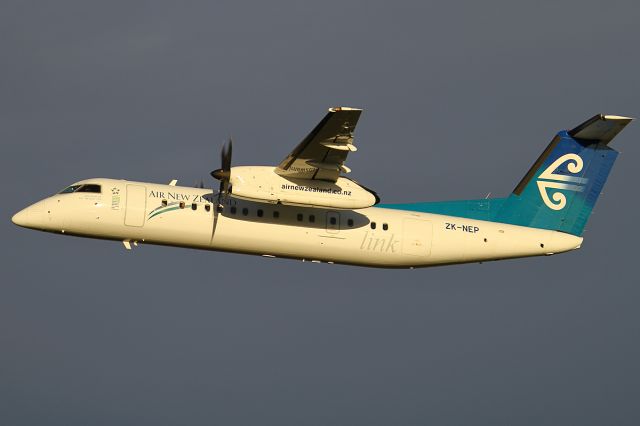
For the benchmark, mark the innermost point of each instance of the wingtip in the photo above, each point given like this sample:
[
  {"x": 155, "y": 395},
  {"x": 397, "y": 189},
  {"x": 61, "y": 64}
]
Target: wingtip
[
  {"x": 343, "y": 108},
  {"x": 616, "y": 117}
]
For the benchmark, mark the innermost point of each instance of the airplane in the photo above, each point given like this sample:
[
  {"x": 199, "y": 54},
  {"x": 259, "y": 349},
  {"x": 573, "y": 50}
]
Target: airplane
[{"x": 305, "y": 208}]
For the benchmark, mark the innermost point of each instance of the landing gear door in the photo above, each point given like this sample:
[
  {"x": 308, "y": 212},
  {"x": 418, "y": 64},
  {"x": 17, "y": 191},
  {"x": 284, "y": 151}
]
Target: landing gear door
[{"x": 333, "y": 222}]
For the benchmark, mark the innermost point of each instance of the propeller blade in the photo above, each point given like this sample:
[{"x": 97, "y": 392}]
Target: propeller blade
[
  {"x": 226, "y": 155},
  {"x": 223, "y": 174}
]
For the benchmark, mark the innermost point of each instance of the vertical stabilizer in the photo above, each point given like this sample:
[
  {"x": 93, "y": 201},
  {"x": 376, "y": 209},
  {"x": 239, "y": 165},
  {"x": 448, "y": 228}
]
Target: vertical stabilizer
[{"x": 562, "y": 187}]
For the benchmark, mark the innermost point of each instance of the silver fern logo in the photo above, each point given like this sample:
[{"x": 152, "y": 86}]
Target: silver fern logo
[{"x": 549, "y": 180}]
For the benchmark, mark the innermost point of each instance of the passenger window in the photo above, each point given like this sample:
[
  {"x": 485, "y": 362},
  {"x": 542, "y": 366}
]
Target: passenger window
[
  {"x": 164, "y": 203},
  {"x": 385, "y": 226},
  {"x": 312, "y": 218},
  {"x": 373, "y": 225},
  {"x": 245, "y": 211},
  {"x": 233, "y": 209},
  {"x": 276, "y": 214},
  {"x": 207, "y": 207},
  {"x": 182, "y": 204},
  {"x": 299, "y": 217},
  {"x": 333, "y": 220},
  {"x": 194, "y": 206},
  {"x": 350, "y": 223},
  {"x": 260, "y": 213}
]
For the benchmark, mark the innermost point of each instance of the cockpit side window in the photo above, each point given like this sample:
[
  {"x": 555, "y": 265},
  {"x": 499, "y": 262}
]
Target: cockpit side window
[
  {"x": 69, "y": 189},
  {"x": 89, "y": 187}
]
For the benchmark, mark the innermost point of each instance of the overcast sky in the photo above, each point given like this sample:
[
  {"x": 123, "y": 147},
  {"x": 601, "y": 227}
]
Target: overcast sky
[{"x": 459, "y": 99}]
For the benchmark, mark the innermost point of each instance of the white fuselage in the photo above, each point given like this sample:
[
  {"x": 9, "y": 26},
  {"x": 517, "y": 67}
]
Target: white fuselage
[{"x": 140, "y": 212}]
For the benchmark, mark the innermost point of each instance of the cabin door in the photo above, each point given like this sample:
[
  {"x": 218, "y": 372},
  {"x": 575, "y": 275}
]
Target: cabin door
[{"x": 136, "y": 205}]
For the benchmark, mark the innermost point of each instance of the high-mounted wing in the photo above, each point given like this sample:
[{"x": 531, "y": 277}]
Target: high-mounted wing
[{"x": 322, "y": 153}]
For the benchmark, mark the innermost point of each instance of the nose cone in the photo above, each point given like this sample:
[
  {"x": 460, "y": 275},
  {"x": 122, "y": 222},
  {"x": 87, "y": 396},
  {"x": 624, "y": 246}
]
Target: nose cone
[
  {"x": 31, "y": 217},
  {"x": 21, "y": 218}
]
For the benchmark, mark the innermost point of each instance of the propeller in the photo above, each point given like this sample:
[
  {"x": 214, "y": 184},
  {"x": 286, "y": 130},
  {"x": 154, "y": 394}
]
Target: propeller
[{"x": 223, "y": 174}]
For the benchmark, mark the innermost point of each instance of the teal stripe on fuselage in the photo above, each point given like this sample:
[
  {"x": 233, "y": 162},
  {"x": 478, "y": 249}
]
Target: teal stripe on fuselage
[{"x": 485, "y": 209}]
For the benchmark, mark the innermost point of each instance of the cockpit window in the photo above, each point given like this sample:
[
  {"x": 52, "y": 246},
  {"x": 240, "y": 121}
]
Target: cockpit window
[
  {"x": 69, "y": 189},
  {"x": 88, "y": 187}
]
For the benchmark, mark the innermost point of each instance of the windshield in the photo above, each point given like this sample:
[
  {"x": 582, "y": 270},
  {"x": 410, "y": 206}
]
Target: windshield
[{"x": 87, "y": 187}]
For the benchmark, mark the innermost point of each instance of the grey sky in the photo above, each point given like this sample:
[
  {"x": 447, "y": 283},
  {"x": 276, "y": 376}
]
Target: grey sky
[{"x": 459, "y": 99}]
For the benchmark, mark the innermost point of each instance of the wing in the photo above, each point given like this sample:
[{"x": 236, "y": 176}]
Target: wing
[{"x": 322, "y": 153}]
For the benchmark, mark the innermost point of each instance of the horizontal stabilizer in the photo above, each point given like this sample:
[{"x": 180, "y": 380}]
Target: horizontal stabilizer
[{"x": 600, "y": 128}]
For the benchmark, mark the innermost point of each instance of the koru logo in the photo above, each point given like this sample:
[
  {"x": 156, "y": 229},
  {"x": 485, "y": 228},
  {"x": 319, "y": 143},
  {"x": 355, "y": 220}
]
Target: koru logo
[{"x": 553, "y": 181}]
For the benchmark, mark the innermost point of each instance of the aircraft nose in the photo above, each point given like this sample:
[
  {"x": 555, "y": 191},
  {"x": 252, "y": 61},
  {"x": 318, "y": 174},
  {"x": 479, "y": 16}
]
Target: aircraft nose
[
  {"x": 21, "y": 218},
  {"x": 30, "y": 217}
]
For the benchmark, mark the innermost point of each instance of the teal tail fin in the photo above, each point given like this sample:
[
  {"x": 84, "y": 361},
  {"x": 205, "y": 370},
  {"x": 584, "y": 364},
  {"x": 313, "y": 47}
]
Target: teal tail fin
[{"x": 562, "y": 187}]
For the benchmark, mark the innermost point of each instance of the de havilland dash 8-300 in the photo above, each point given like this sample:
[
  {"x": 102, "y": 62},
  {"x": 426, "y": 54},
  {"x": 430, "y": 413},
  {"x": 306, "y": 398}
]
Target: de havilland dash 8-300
[{"x": 304, "y": 208}]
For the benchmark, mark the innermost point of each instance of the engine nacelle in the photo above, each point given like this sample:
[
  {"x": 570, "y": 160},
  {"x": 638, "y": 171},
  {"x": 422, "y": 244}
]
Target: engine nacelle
[{"x": 261, "y": 183}]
